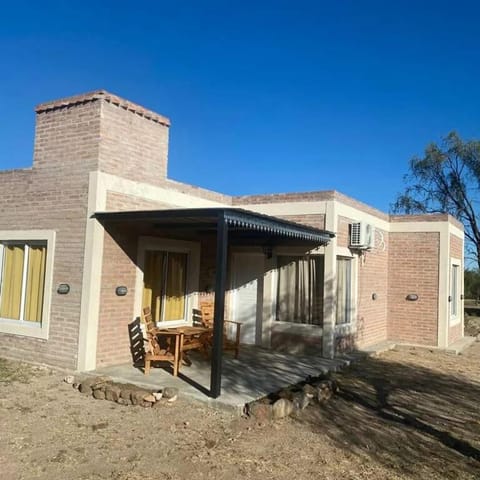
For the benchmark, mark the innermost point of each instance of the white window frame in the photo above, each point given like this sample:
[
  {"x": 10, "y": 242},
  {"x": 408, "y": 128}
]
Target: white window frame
[
  {"x": 22, "y": 327},
  {"x": 455, "y": 318},
  {"x": 349, "y": 327},
  {"x": 192, "y": 249}
]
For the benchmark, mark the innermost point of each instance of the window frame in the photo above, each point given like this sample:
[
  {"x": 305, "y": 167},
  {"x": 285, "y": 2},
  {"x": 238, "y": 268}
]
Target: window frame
[
  {"x": 24, "y": 327},
  {"x": 455, "y": 292},
  {"x": 350, "y": 327},
  {"x": 349, "y": 294}
]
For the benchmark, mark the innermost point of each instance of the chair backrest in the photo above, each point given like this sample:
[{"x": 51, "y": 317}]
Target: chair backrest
[
  {"x": 153, "y": 345},
  {"x": 207, "y": 314},
  {"x": 148, "y": 319}
]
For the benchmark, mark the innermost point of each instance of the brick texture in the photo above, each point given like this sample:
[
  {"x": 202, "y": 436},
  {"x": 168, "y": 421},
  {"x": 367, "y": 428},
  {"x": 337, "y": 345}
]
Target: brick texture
[
  {"x": 456, "y": 247},
  {"x": 122, "y": 202},
  {"x": 413, "y": 268},
  {"x": 311, "y": 220},
  {"x": 132, "y": 146},
  {"x": 119, "y": 260},
  {"x": 373, "y": 271},
  {"x": 53, "y": 196}
]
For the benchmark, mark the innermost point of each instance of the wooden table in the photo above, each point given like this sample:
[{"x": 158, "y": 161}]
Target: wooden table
[{"x": 191, "y": 338}]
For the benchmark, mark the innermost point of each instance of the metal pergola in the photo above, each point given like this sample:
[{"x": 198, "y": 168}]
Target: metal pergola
[{"x": 230, "y": 224}]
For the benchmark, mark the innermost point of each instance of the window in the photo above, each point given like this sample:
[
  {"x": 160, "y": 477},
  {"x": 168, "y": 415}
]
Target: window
[
  {"x": 22, "y": 280},
  {"x": 164, "y": 284},
  {"x": 454, "y": 291},
  {"x": 300, "y": 289},
  {"x": 344, "y": 291}
]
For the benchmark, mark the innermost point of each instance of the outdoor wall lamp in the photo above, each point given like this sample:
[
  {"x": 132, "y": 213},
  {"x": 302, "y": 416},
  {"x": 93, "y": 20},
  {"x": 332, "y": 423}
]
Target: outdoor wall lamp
[
  {"x": 374, "y": 296},
  {"x": 121, "y": 291},
  {"x": 63, "y": 288},
  {"x": 412, "y": 297}
]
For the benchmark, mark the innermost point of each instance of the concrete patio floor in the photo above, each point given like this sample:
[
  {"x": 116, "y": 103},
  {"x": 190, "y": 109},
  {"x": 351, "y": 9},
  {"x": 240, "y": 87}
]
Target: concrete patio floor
[{"x": 256, "y": 373}]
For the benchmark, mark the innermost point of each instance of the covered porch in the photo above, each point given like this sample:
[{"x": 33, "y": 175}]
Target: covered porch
[
  {"x": 211, "y": 249},
  {"x": 257, "y": 372}
]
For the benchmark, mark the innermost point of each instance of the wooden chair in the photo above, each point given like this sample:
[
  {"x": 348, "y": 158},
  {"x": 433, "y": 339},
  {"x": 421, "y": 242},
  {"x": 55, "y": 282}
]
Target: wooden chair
[
  {"x": 206, "y": 309},
  {"x": 161, "y": 346}
]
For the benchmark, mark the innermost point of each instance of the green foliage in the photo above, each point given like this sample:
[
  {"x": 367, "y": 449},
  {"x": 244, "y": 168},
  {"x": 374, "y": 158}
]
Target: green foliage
[
  {"x": 446, "y": 180},
  {"x": 472, "y": 284}
]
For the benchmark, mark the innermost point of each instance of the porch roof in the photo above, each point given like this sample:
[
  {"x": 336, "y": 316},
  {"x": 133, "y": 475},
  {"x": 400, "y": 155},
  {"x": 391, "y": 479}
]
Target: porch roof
[
  {"x": 227, "y": 224},
  {"x": 241, "y": 223}
]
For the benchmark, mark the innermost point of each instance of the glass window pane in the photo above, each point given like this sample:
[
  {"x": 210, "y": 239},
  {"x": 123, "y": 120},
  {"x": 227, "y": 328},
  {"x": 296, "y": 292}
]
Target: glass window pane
[
  {"x": 153, "y": 280},
  {"x": 344, "y": 290},
  {"x": 35, "y": 283},
  {"x": 12, "y": 276},
  {"x": 300, "y": 289},
  {"x": 175, "y": 288},
  {"x": 454, "y": 291}
]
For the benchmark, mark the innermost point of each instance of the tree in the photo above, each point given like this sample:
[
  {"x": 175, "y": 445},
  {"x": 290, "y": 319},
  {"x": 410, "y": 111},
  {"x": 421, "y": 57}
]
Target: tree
[
  {"x": 446, "y": 180},
  {"x": 472, "y": 284}
]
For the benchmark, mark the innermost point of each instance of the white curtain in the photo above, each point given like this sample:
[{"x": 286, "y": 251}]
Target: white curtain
[
  {"x": 300, "y": 289},
  {"x": 343, "y": 290}
]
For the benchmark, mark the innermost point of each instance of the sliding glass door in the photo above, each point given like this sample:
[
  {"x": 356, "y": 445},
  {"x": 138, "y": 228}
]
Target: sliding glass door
[{"x": 164, "y": 284}]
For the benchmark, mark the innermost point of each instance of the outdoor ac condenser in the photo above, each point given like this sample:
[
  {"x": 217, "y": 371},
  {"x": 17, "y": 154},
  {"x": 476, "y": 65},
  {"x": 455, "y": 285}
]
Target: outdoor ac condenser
[{"x": 362, "y": 235}]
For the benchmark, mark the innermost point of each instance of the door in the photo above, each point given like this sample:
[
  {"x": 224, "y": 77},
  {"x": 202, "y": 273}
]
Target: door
[
  {"x": 164, "y": 285},
  {"x": 248, "y": 269}
]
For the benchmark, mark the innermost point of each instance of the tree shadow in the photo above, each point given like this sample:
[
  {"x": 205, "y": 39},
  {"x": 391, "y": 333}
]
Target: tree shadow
[{"x": 407, "y": 417}]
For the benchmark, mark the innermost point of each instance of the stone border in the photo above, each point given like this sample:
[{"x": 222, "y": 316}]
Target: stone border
[
  {"x": 288, "y": 401},
  {"x": 104, "y": 388}
]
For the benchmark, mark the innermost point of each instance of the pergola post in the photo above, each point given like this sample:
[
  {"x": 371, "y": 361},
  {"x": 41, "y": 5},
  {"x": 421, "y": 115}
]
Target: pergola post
[{"x": 219, "y": 306}]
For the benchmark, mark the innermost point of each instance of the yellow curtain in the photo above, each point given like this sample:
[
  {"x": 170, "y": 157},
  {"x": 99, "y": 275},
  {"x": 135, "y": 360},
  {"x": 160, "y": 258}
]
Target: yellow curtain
[
  {"x": 175, "y": 288},
  {"x": 12, "y": 282},
  {"x": 152, "y": 282},
  {"x": 35, "y": 284}
]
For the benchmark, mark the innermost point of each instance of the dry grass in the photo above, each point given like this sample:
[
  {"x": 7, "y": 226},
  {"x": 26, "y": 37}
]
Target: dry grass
[{"x": 403, "y": 415}]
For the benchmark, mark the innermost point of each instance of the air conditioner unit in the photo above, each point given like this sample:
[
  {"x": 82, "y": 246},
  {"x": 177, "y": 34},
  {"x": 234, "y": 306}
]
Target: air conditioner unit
[{"x": 362, "y": 235}]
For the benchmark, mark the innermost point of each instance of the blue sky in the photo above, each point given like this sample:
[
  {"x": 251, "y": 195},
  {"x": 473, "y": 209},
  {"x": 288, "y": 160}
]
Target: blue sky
[{"x": 264, "y": 96}]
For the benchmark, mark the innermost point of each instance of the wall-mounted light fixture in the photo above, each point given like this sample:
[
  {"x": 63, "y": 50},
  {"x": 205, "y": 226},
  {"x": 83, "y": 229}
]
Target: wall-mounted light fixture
[
  {"x": 121, "y": 291},
  {"x": 374, "y": 296},
  {"x": 411, "y": 297},
  {"x": 63, "y": 288}
]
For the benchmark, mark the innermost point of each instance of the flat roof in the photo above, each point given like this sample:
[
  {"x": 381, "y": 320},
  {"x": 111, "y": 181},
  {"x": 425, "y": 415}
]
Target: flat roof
[{"x": 238, "y": 220}]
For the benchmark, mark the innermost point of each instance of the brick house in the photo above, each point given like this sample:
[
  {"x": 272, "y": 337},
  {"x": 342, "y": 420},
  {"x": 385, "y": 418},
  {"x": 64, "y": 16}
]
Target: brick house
[{"x": 327, "y": 274}]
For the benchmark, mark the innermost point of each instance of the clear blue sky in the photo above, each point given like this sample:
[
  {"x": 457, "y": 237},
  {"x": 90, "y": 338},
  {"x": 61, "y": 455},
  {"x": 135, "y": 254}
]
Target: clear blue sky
[{"x": 308, "y": 95}]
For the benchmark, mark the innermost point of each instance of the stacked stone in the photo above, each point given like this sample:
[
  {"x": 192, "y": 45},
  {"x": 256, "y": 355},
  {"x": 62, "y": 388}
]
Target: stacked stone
[{"x": 103, "y": 388}]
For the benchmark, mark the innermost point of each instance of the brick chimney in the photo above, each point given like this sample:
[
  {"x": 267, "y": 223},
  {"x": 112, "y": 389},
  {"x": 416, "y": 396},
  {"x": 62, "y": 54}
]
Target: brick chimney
[{"x": 100, "y": 131}]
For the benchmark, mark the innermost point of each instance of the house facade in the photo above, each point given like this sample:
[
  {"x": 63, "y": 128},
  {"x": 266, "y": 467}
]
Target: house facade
[{"x": 71, "y": 284}]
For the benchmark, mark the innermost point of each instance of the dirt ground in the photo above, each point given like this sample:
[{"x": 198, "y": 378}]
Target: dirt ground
[{"x": 402, "y": 415}]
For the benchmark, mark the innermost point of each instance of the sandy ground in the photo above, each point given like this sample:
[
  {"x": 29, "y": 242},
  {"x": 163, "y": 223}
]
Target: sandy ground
[{"x": 402, "y": 415}]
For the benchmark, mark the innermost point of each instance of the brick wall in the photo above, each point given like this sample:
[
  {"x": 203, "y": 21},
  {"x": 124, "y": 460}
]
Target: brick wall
[
  {"x": 456, "y": 247},
  {"x": 373, "y": 279},
  {"x": 119, "y": 260},
  {"x": 455, "y": 333},
  {"x": 343, "y": 231},
  {"x": 132, "y": 146},
  {"x": 413, "y": 268},
  {"x": 53, "y": 196},
  {"x": 312, "y": 220},
  {"x": 122, "y": 202}
]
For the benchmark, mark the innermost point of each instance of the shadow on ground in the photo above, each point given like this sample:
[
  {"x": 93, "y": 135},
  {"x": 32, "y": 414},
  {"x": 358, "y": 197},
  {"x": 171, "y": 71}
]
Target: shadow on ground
[{"x": 413, "y": 419}]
